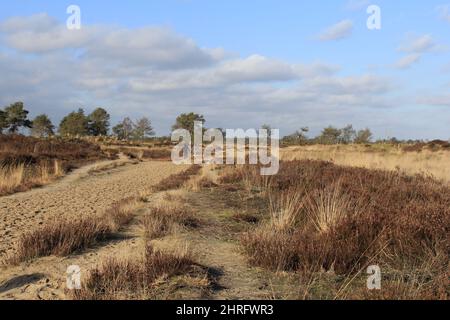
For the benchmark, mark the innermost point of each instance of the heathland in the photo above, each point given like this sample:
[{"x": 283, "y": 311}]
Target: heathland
[{"x": 140, "y": 227}]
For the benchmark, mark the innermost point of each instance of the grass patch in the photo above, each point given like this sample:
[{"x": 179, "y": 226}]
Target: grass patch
[
  {"x": 65, "y": 237},
  {"x": 176, "y": 181},
  {"x": 125, "y": 279},
  {"x": 162, "y": 220},
  {"x": 328, "y": 218}
]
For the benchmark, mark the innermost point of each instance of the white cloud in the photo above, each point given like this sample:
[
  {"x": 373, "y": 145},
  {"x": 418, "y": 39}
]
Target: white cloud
[
  {"x": 435, "y": 100},
  {"x": 444, "y": 12},
  {"x": 407, "y": 61},
  {"x": 416, "y": 46},
  {"x": 338, "y": 31},
  {"x": 157, "y": 72},
  {"x": 256, "y": 68}
]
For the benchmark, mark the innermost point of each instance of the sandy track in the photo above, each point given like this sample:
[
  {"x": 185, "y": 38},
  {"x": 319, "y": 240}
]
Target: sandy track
[{"x": 75, "y": 195}]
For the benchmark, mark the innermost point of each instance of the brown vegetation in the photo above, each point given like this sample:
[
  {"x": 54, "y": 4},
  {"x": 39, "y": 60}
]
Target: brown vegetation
[
  {"x": 411, "y": 160},
  {"x": 176, "y": 181},
  {"x": 161, "y": 220},
  {"x": 125, "y": 279},
  {"x": 27, "y": 162},
  {"x": 64, "y": 237},
  {"x": 341, "y": 219}
]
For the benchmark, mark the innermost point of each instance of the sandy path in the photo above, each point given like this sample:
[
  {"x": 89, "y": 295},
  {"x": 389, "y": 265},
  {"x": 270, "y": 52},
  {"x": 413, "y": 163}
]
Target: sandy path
[{"x": 74, "y": 195}]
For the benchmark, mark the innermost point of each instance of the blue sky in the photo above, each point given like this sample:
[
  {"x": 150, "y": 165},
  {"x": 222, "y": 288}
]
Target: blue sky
[{"x": 395, "y": 80}]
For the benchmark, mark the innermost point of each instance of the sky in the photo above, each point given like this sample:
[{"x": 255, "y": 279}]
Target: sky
[{"x": 241, "y": 64}]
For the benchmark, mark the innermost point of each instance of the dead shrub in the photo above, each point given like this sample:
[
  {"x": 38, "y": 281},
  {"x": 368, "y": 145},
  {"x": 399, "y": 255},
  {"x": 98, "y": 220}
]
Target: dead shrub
[
  {"x": 176, "y": 181},
  {"x": 351, "y": 217},
  {"x": 61, "y": 238},
  {"x": 121, "y": 213},
  {"x": 122, "y": 279},
  {"x": 65, "y": 237},
  {"x": 160, "y": 221}
]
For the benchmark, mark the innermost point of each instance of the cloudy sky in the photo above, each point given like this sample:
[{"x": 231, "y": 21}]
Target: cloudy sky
[{"x": 240, "y": 63}]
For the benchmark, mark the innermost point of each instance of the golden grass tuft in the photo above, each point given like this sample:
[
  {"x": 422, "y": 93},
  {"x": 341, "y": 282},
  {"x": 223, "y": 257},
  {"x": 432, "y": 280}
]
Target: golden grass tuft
[
  {"x": 18, "y": 177},
  {"x": 11, "y": 177}
]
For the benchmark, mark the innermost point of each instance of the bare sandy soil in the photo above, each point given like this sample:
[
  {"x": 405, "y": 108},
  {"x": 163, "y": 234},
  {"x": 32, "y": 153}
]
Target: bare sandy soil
[
  {"x": 215, "y": 245},
  {"x": 80, "y": 193}
]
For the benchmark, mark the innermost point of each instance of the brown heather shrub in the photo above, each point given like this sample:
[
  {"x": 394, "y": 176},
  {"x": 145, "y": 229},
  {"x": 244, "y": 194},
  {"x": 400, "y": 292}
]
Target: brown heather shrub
[
  {"x": 27, "y": 162},
  {"x": 147, "y": 153},
  {"x": 122, "y": 279},
  {"x": 176, "y": 181},
  {"x": 65, "y": 237},
  {"x": 352, "y": 217},
  {"x": 17, "y": 149},
  {"x": 121, "y": 213},
  {"x": 160, "y": 221},
  {"x": 61, "y": 238}
]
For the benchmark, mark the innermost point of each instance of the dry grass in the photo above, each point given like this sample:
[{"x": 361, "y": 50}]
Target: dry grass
[
  {"x": 11, "y": 178},
  {"x": 18, "y": 177},
  {"x": 327, "y": 208},
  {"x": 384, "y": 157},
  {"x": 177, "y": 181},
  {"x": 16, "y": 149},
  {"x": 143, "y": 153},
  {"x": 61, "y": 238},
  {"x": 165, "y": 218},
  {"x": 207, "y": 178},
  {"x": 111, "y": 166},
  {"x": 286, "y": 209},
  {"x": 27, "y": 162},
  {"x": 65, "y": 237},
  {"x": 124, "y": 279},
  {"x": 337, "y": 219}
]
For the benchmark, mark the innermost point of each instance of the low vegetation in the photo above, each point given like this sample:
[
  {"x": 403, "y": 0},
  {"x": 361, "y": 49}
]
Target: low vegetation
[
  {"x": 379, "y": 156},
  {"x": 163, "y": 219},
  {"x": 328, "y": 218},
  {"x": 133, "y": 279},
  {"x": 178, "y": 180},
  {"x": 64, "y": 237},
  {"x": 27, "y": 162}
]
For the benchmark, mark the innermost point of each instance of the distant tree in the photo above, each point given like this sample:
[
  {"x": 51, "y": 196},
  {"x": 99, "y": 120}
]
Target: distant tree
[
  {"x": 118, "y": 131},
  {"x": 268, "y": 128},
  {"x": 74, "y": 124},
  {"x": 99, "y": 122},
  {"x": 363, "y": 136},
  {"x": 330, "y": 135},
  {"x": 3, "y": 123},
  {"x": 186, "y": 121},
  {"x": 143, "y": 129},
  {"x": 42, "y": 127},
  {"x": 16, "y": 117},
  {"x": 124, "y": 130},
  {"x": 348, "y": 134},
  {"x": 299, "y": 137}
]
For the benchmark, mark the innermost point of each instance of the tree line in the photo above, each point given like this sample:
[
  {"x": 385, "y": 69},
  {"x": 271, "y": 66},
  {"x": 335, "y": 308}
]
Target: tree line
[
  {"x": 15, "y": 117},
  {"x": 330, "y": 135},
  {"x": 77, "y": 123}
]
